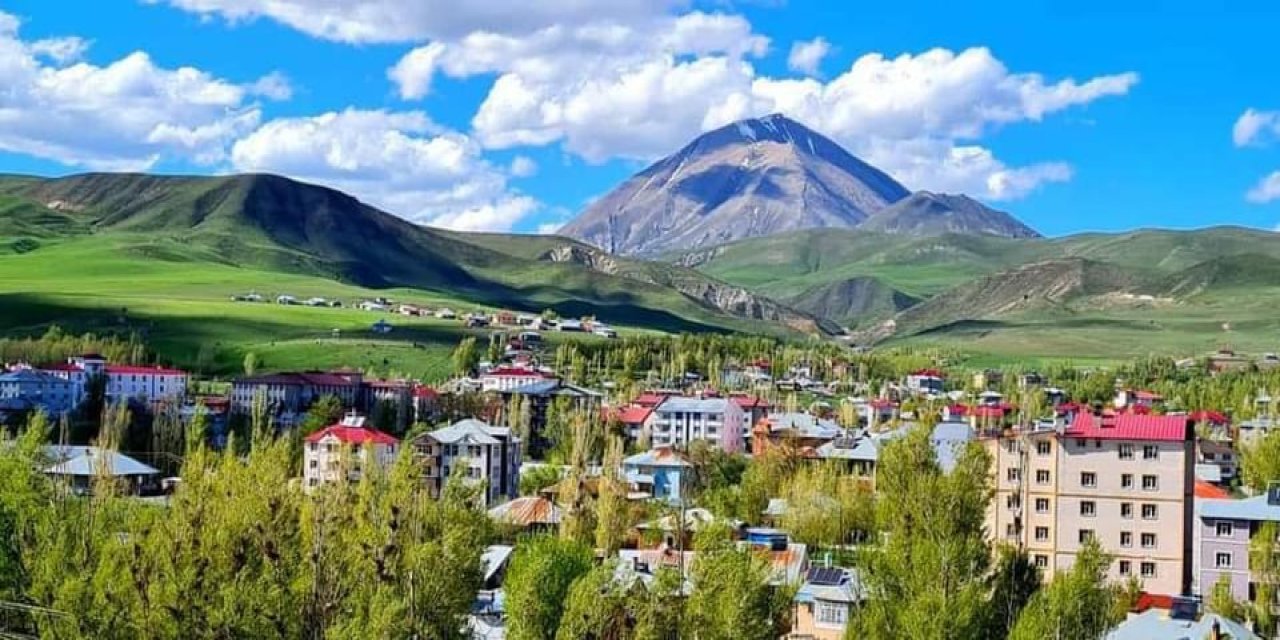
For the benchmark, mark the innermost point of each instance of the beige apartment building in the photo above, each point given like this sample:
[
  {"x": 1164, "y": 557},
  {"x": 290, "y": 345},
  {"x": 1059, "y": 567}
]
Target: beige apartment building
[{"x": 1125, "y": 480}]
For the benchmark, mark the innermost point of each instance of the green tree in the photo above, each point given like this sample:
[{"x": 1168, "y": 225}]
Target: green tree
[
  {"x": 611, "y": 503},
  {"x": 250, "y": 363},
  {"x": 1260, "y": 461},
  {"x": 465, "y": 357},
  {"x": 1077, "y": 605},
  {"x": 542, "y": 571},
  {"x": 1013, "y": 582},
  {"x": 732, "y": 597},
  {"x": 327, "y": 410}
]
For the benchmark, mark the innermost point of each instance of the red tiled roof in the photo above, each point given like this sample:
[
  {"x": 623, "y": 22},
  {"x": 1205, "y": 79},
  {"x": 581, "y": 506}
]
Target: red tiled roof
[
  {"x": 1148, "y": 601},
  {"x": 1128, "y": 426},
  {"x": 634, "y": 415},
  {"x": 1208, "y": 491},
  {"x": 651, "y": 399},
  {"x": 928, "y": 372},
  {"x": 988, "y": 412},
  {"x": 1147, "y": 395},
  {"x": 353, "y": 435},
  {"x": 747, "y": 402},
  {"x": 314, "y": 378},
  {"x": 882, "y": 403},
  {"x": 423, "y": 391}
]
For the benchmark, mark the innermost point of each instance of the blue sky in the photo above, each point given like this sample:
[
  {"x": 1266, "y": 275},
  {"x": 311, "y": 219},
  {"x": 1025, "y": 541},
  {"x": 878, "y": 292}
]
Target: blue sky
[{"x": 510, "y": 116}]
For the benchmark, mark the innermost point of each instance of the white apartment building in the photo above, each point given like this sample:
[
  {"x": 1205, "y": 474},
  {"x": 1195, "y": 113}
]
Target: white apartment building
[
  {"x": 347, "y": 447},
  {"x": 680, "y": 421},
  {"x": 489, "y": 454}
]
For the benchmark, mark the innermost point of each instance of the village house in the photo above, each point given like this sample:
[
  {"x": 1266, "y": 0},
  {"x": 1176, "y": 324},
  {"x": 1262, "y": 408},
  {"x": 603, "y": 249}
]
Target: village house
[
  {"x": 506, "y": 377},
  {"x": 659, "y": 472},
  {"x": 488, "y": 455},
  {"x": 798, "y": 432},
  {"x": 528, "y": 514},
  {"x": 1139, "y": 401},
  {"x": 926, "y": 382},
  {"x": 636, "y": 421},
  {"x": 345, "y": 449},
  {"x": 824, "y": 603},
  {"x": 1124, "y": 480},
  {"x": 79, "y": 466}
]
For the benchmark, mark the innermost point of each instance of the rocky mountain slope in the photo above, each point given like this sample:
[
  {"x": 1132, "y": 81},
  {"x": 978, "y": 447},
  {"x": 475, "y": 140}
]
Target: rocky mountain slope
[
  {"x": 751, "y": 178},
  {"x": 930, "y": 214}
]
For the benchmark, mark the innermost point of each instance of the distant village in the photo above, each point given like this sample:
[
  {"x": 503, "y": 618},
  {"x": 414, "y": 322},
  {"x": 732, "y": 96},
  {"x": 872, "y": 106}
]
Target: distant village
[{"x": 1156, "y": 486}]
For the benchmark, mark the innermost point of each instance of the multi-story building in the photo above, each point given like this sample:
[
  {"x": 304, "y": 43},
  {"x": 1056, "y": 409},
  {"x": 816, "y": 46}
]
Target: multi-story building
[
  {"x": 1223, "y": 532},
  {"x": 39, "y": 390},
  {"x": 505, "y": 378},
  {"x": 122, "y": 382},
  {"x": 345, "y": 448},
  {"x": 683, "y": 420},
  {"x": 289, "y": 395},
  {"x": 489, "y": 454},
  {"x": 1124, "y": 480}
]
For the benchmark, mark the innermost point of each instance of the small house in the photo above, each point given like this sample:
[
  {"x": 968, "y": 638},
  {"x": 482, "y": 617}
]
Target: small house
[{"x": 286, "y": 300}]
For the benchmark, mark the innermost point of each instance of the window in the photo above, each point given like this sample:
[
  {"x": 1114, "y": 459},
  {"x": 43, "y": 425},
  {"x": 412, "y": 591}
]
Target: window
[
  {"x": 1088, "y": 479},
  {"x": 1150, "y": 452},
  {"x": 1011, "y": 446},
  {"x": 1042, "y": 476},
  {"x": 1222, "y": 560},
  {"x": 1013, "y": 473},
  {"x": 1126, "y": 509},
  {"x": 1042, "y": 534},
  {"x": 1126, "y": 481},
  {"x": 1042, "y": 505},
  {"x": 1148, "y": 569},
  {"x": 314, "y": 464},
  {"x": 1225, "y": 530},
  {"x": 1126, "y": 538},
  {"x": 1010, "y": 530},
  {"x": 832, "y": 614},
  {"x": 1209, "y": 456},
  {"x": 1042, "y": 561},
  {"x": 1043, "y": 448},
  {"x": 1226, "y": 457},
  {"x": 1149, "y": 512},
  {"x": 1088, "y": 508},
  {"x": 1013, "y": 501},
  {"x": 312, "y": 446},
  {"x": 1085, "y": 535},
  {"x": 1126, "y": 452},
  {"x": 1126, "y": 567},
  {"x": 1148, "y": 540},
  {"x": 1149, "y": 483}
]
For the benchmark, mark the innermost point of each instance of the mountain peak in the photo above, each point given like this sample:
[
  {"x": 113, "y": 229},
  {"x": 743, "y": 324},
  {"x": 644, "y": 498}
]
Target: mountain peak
[
  {"x": 926, "y": 213},
  {"x": 749, "y": 178}
]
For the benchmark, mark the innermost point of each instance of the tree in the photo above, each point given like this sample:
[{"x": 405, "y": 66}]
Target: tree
[
  {"x": 1077, "y": 605},
  {"x": 732, "y": 597},
  {"x": 543, "y": 569},
  {"x": 1260, "y": 461},
  {"x": 826, "y": 507},
  {"x": 534, "y": 479},
  {"x": 611, "y": 504},
  {"x": 929, "y": 574},
  {"x": 465, "y": 357},
  {"x": 327, "y": 410},
  {"x": 250, "y": 363},
  {"x": 595, "y": 607},
  {"x": 1012, "y": 584}
]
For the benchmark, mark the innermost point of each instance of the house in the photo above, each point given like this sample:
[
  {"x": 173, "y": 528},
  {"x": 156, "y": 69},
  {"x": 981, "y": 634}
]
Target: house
[
  {"x": 505, "y": 318},
  {"x": 1225, "y": 359},
  {"x": 316, "y": 302},
  {"x": 539, "y": 393},
  {"x": 1125, "y": 480},
  {"x": 1138, "y": 401},
  {"x": 487, "y": 620},
  {"x": 637, "y": 422},
  {"x": 123, "y": 382},
  {"x": 286, "y": 300},
  {"x": 289, "y": 395},
  {"x": 1180, "y": 626},
  {"x": 753, "y": 407},
  {"x": 797, "y": 431},
  {"x": 570, "y": 326},
  {"x": 372, "y": 305},
  {"x": 345, "y": 449},
  {"x": 425, "y": 403},
  {"x": 488, "y": 454},
  {"x": 682, "y": 420},
  {"x": 1218, "y": 455},
  {"x": 788, "y": 560},
  {"x": 825, "y": 602},
  {"x": 1031, "y": 379},
  {"x": 508, "y": 377},
  {"x": 660, "y": 472},
  {"x": 857, "y": 453},
  {"x": 79, "y": 466},
  {"x": 926, "y": 382},
  {"x": 530, "y": 514},
  {"x": 604, "y": 331},
  {"x": 445, "y": 313},
  {"x": 1224, "y": 530},
  {"x": 675, "y": 530},
  {"x": 409, "y": 310},
  {"x": 36, "y": 389},
  {"x": 395, "y": 396}
]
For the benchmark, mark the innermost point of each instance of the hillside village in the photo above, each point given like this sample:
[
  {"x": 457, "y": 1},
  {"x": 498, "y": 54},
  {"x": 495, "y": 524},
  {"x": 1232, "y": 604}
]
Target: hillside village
[{"x": 781, "y": 451}]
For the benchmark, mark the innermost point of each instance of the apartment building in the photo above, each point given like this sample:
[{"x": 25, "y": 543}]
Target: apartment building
[
  {"x": 33, "y": 389},
  {"x": 683, "y": 420},
  {"x": 490, "y": 455},
  {"x": 347, "y": 447},
  {"x": 290, "y": 394},
  {"x": 122, "y": 382},
  {"x": 1224, "y": 529},
  {"x": 1125, "y": 480}
]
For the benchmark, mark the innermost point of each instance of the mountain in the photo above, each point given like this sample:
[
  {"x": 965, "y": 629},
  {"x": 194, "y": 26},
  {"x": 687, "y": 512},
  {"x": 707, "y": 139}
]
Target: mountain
[
  {"x": 751, "y": 178},
  {"x": 852, "y": 301},
  {"x": 271, "y": 223},
  {"x": 930, "y": 214}
]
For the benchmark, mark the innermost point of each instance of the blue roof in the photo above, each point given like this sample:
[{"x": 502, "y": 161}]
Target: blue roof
[
  {"x": 807, "y": 424},
  {"x": 1157, "y": 624},
  {"x": 32, "y": 376},
  {"x": 85, "y": 461},
  {"x": 1255, "y": 509},
  {"x": 660, "y": 457}
]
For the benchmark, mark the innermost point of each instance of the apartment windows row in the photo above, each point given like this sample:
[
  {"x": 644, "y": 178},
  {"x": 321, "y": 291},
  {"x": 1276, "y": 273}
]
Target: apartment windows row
[
  {"x": 1146, "y": 569},
  {"x": 1149, "y": 451},
  {"x": 1147, "y": 540},
  {"x": 1150, "y": 482}
]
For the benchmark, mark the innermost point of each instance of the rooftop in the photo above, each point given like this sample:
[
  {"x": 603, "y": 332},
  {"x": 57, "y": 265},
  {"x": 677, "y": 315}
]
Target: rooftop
[
  {"x": 659, "y": 457},
  {"x": 1255, "y": 509},
  {"x": 86, "y": 461},
  {"x": 690, "y": 404},
  {"x": 1157, "y": 624},
  {"x": 352, "y": 430},
  {"x": 470, "y": 431},
  {"x": 1127, "y": 426}
]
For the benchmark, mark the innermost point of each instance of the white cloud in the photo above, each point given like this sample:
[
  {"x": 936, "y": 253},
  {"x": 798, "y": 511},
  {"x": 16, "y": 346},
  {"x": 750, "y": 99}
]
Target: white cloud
[
  {"x": 126, "y": 115},
  {"x": 618, "y": 94},
  {"x": 363, "y": 21},
  {"x": 401, "y": 162},
  {"x": 523, "y": 167},
  {"x": 806, "y": 56},
  {"x": 414, "y": 72},
  {"x": 1256, "y": 127},
  {"x": 549, "y": 228},
  {"x": 273, "y": 86},
  {"x": 1267, "y": 189}
]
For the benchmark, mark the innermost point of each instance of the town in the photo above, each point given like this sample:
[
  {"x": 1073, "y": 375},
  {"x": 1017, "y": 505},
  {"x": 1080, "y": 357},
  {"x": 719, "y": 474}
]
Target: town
[{"x": 775, "y": 490}]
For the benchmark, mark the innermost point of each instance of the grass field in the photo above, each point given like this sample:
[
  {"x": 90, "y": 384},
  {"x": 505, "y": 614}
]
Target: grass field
[{"x": 185, "y": 313}]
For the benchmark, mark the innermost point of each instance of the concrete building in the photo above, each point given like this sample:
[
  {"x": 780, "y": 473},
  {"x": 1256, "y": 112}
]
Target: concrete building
[
  {"x": 660, "y": 472},
  {"x": 1124, "y": 480},
  {"x": 347, "y": 447},
  {"x": 289, "y": 395},
  {"x": 1223, "y": 531},
  {"x": 682, "y": 420},
  {"x": 123, "y": 382},
  {"x": 39, "y": 390},
  {"x": 489, "y": 454}
]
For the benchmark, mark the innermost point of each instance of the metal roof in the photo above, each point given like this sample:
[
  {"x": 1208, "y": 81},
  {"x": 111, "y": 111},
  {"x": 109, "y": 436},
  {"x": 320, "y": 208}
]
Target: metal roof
[{"x": 1255, "y": 509}]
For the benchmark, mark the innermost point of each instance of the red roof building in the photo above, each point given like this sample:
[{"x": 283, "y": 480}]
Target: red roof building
[
  {"x": 1207, "y": 491},
  {"x": 344, "y": 449},
  {"x": 1129, "y": 426}
]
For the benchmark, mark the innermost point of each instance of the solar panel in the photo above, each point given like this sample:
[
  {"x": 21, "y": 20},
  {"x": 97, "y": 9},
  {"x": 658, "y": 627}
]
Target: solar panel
[{"x": 825, "y": 576}]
